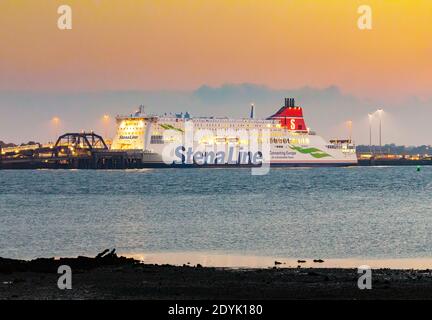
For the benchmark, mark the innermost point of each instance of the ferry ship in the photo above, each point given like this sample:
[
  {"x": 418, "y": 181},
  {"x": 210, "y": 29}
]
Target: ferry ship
[{"x": 222, "y": 141}]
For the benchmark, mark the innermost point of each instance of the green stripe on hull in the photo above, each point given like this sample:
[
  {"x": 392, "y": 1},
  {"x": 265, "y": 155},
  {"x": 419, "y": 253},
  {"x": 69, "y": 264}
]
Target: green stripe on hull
[
  {"x": 169, "y": 127},
  {"x": 314, "y": 152}
]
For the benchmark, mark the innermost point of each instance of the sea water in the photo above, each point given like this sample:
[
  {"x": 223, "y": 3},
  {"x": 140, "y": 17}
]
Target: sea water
[{"x": 336, "y": 213}]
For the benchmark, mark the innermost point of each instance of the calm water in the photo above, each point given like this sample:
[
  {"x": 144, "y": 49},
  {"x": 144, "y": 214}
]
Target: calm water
[{"x": 382, "y": 212}]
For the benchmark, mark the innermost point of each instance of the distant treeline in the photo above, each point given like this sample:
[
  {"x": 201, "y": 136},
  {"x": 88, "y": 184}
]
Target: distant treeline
[
  {"x": 7, "y": 145},
  {"x": 394, "y": 149}
]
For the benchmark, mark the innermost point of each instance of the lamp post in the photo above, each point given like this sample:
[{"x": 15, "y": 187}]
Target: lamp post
[
  {"x": 106, "y": 119},
  {"x": 380, "y": 111},
  {"x": 56, "y": 122},
  {"x": 349, "y": 125},
  {"x": 370, "y": 131}
]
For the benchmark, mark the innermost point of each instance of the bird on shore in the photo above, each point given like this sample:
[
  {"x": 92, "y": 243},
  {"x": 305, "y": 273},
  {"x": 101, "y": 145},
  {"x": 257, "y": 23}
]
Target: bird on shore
[{"x": 301, "y": 261}]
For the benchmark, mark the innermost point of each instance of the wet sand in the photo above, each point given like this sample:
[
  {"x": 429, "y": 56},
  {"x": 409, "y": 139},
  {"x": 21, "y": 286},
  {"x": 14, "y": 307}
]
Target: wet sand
[{"x": 112, "y": 277}]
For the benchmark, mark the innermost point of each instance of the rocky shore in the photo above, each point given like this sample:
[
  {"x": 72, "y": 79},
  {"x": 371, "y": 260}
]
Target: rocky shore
[{"x": 108, "y": 276}]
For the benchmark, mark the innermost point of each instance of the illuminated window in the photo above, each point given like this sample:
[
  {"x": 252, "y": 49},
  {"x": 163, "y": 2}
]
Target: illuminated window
[{"x": 156, "y": 139}]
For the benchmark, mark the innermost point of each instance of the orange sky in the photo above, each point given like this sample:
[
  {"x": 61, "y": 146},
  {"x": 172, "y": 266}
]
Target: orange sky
[{"x": 182, "y": 44}]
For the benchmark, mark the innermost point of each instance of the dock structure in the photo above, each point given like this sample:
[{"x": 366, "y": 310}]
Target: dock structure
[
  {"x": 88, "y": 150},
  {"x": 394, "y": 162},
  {"x": 71, "y": 151},
  {"x": 370, "y": 159}
]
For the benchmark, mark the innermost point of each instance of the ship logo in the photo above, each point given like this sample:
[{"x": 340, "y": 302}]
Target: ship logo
[{"x": 314, "y": 152}]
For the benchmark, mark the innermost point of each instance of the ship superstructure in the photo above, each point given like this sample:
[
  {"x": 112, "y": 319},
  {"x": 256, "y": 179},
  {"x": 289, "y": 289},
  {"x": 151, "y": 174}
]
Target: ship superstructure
[{"x": 283, "y": 137}]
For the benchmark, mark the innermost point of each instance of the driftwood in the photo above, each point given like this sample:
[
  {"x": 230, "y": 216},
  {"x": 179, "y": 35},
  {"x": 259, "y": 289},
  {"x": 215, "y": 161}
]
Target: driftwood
[{"x": 50, "y": 265}]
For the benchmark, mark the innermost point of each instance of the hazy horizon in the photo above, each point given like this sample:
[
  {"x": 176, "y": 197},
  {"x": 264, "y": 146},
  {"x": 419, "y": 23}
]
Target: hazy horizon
[{"x": 326, "y": 111}]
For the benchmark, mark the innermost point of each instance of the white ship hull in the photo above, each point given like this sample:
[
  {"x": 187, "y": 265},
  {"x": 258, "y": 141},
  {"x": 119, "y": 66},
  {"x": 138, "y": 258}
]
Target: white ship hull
[{"x": 187, "y": 142}]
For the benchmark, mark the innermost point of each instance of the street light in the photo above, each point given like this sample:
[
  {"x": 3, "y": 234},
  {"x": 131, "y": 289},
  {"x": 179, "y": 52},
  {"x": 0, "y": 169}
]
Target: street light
[
  {"x": 106, "y": 119},
  {"x": 56, "y": 123},
  {"x": 370, "y": 115},
  {"x": 349, "y": 125},
  {"x": 380, "y": 111}
]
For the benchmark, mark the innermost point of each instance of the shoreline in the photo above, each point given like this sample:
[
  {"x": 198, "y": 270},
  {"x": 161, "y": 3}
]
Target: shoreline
[
  {"x": 231, "y": 260},
  {"x": 109, "y": 276},
  {"x": 215, "y": 259},
  {"x": 245, "y": 261}
]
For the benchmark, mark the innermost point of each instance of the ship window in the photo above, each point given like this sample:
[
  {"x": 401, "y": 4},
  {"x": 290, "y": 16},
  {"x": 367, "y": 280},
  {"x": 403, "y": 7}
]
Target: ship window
[{"x": 156, "y": 139}]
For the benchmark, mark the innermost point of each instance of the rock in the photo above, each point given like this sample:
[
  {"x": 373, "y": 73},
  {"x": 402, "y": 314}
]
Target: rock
[
  {"x": 50, "y": 265},
  {"x": 100, "y": 255}
]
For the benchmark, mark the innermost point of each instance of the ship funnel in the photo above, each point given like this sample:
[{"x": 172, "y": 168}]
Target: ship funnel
[
  {"x": 252, "y": 111},
  {"x": 290, "y": 116},
  {"x": 289, "y": 102}
]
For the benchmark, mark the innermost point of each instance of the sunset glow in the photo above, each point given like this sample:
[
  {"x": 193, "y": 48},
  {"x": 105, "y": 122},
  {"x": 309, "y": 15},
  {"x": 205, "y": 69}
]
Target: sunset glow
[{"x": 148, "y": 45}]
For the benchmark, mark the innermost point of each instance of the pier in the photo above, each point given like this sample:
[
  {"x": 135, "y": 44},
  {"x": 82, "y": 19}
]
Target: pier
[
  {"x": 89, "y": 151},
  {"x": 71, "y": 151},
  {"x": 393, "y": 160}
]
